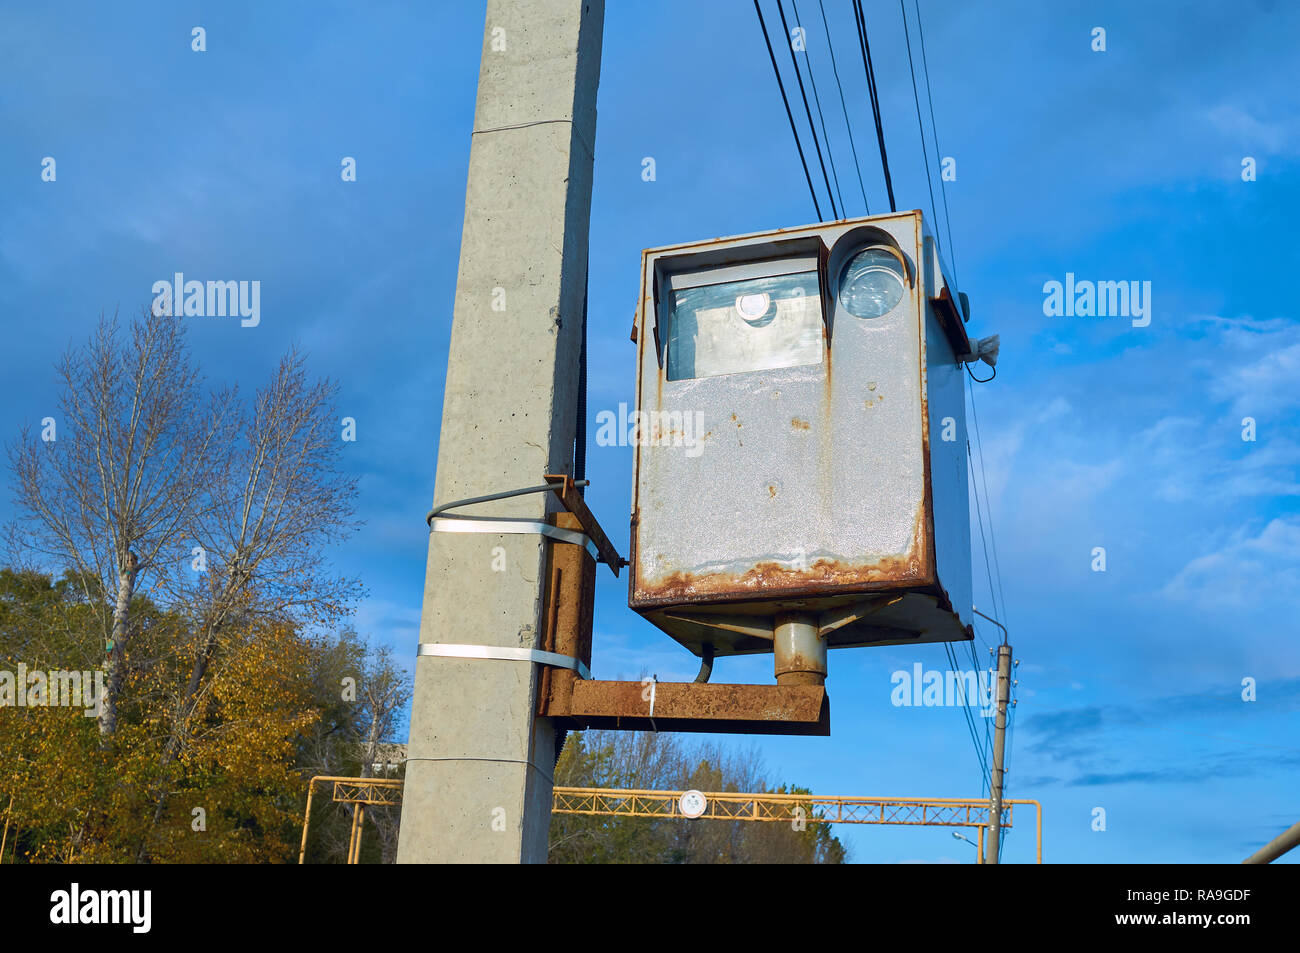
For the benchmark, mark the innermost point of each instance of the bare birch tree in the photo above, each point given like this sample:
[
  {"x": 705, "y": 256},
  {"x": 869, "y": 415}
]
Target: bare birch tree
[
  {"x": 220, "y": 510},
  {"x": 276, "y": 498},
  {"x": 109, "y": 484}
]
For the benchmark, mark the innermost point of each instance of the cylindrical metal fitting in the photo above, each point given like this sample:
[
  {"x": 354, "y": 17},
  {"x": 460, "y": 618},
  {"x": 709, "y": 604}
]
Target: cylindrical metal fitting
[{"x": 799, "y": 649}]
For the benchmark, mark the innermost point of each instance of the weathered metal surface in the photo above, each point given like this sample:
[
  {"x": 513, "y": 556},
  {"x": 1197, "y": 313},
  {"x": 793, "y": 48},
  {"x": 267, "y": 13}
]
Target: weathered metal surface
[
  {"x": 570, "y": 596},
  {"x": 799, "y": 649},
  {"x": 799, "y": 485},
  {"x": 951, "y": 320},
  {"x": 562, "y": 485},
  {"x": 695, "y": 706},
  {"x": 895, "y": 623}
]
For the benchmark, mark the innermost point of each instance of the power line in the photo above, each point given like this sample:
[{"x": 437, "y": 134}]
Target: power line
[
  {"x": 830, "y": 154},
  {"x": 981, "y": 749},
  {"x": 988, "y": 503},
  {"x": 979, "y": 513},
  {"x": 916, "y": 96},
  {"x": 980, "y": 752},
  {"x": 943, "y": 188},
  {"x": 789, "y": 115},
  {"x": 864, "y": 46},
  {"x": 843, "y": 107},
  {"x": 780, "y": 8},
  {"x": 996, "y": 594}
]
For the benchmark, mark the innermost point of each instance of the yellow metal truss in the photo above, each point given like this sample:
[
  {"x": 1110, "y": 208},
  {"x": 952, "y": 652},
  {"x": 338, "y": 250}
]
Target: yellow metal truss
[
  {"x": 730, "y": 805},
  {"x": 358, "y": 792},
  {"x": 816, "y": 808}
]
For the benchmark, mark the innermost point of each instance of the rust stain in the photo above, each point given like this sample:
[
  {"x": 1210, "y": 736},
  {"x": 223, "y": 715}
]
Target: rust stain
[
  {"x": 688, "y": 706},
  {"x": 826, "y": 342},
  {"x": 826, "y": 434},
  {"x": 770, "y": 578},
  {"x": 923, "y": 537},
  {"x": 798, "y": 424},
  {"x": 771, "y": 491}
]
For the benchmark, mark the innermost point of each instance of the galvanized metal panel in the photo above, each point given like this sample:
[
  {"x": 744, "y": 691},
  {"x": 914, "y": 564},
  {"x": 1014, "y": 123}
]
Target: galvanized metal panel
[
  {"x": 799, "y": 477},
  {"x": 795, "y": 486}
]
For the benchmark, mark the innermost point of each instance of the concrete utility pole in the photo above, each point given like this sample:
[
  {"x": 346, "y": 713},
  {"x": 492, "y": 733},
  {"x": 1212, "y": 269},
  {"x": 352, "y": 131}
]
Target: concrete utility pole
[
  {"x": 1278, "y": 846},
  {"x": 994, "y": 841},
  {"x": 480, "y": 762}
]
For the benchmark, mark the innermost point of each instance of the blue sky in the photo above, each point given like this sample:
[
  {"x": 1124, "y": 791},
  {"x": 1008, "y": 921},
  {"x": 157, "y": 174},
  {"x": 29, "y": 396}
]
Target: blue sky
[{"x": 1116, "y": 165}]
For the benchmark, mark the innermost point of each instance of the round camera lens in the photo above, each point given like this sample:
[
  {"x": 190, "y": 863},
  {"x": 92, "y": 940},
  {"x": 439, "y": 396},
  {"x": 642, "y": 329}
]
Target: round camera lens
[{"x": 871, "y": 283}]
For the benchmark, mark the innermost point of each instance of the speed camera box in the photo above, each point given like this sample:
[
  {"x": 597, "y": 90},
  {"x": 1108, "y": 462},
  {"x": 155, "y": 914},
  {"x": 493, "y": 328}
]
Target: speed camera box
[{"x": 800, "y": 438}]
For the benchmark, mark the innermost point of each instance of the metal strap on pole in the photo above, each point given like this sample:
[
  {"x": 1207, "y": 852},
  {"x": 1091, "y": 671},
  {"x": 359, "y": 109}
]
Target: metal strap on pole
[
  {"x": 503, "y": 653},
  {"x": 481, "y": 524}
]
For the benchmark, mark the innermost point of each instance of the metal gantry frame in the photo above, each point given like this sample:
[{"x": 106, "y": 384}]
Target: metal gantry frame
[
  {"x": 731, "y": 806},
  {"x": 820, "y": 809},
  {"x": 358, "y": 792}
]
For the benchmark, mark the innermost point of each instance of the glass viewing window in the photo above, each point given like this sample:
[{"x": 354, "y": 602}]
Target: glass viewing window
[
  {"x": 871, "y": 283},
  {"x": 751, "y": 325}
]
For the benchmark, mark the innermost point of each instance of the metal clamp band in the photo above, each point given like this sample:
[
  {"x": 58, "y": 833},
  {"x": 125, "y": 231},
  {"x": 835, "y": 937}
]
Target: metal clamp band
[
  {"x": 503, "y": 653},
  {"x": 458, "y": 524}
]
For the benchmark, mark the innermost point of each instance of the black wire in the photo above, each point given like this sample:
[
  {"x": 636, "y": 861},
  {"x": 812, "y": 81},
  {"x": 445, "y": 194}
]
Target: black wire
[
  {"x": 988, "y": 503},
  {"x": 979, "y": 513},
  {"x": 943, "y": 189},
  {"x": 916, "y": 97},
  {"x": 580, "y": 438},
  {"x": 865, "y": 47},
  {"x": 980, "y": 753},
  {"x": 838, "y": 85},
  {"x": 978, "y": 669},
  {"x": 780, "y": 8},
  {"x": 980, "y": 380},
  {"x": 830, "y": 153},
  {"x": 789, "y": 115},
  {"x": 871, "y": 90}
]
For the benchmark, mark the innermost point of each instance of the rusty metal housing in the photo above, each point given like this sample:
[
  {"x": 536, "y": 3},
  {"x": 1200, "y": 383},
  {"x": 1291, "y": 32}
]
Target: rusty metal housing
[{"x": 830, "y": 480}]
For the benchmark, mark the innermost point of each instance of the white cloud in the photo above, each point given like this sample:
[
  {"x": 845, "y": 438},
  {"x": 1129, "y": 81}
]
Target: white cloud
[
  {"x": 1245, "y": 571},
  {"x": 1252, "y": 364},
  {"x": 1252, "y": 133}
]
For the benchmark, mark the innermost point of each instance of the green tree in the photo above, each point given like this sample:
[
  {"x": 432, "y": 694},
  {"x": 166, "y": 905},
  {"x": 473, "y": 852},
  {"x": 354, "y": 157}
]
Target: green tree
[{"x": 270, "y": 706}]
